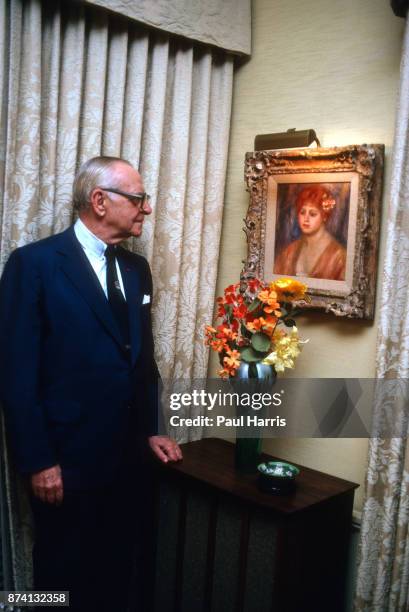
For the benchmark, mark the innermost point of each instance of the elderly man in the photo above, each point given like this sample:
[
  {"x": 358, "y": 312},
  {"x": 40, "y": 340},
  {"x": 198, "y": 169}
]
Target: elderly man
[{"x": 78, "y": 383}]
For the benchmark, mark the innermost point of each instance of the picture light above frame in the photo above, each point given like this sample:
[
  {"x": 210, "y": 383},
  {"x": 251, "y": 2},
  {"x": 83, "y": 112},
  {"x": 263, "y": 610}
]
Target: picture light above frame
[
  {"x": 314, "y": 215},
  {"x": 290, "y": 139}
]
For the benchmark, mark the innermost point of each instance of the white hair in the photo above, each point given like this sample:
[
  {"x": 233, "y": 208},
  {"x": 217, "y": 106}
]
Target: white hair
[{"x": 93, "y": 173}]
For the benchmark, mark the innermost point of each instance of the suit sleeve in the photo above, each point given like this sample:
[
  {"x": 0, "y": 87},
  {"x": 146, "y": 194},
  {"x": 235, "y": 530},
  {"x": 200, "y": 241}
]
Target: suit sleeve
[
  {"x": 154, "y": 421},
  {"x": 21, "y": 336}
]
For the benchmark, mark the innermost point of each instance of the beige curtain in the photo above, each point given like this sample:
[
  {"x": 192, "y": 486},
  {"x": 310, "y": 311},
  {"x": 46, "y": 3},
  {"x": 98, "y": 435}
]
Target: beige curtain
[
  {"x": 80, "y": 82},
  {"x": 223, "y": 23},
  {"x": 383, "y": 573}
]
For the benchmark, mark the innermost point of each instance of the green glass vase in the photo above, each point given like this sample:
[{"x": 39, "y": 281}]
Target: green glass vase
[{"x": 248, "y": 440}]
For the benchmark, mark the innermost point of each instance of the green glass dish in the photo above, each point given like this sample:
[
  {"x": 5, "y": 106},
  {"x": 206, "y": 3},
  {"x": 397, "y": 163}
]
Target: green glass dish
[{"x": 277, "y": 477}]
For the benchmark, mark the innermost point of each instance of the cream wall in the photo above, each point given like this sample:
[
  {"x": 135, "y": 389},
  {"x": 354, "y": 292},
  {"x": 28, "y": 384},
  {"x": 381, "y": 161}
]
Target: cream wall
[{"x": 332, "y": 66}]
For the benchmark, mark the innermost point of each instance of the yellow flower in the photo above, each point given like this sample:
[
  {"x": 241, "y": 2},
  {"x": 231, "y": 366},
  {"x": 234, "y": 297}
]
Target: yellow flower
[
  {"x": 286, "y": 350},
  {"x": 288, "y": 289}
]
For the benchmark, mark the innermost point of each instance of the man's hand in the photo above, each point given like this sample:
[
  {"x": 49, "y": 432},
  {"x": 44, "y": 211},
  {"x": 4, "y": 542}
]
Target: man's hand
[
  {"x": 47, "y": 485},
  {"x": 165, "y": 448}
]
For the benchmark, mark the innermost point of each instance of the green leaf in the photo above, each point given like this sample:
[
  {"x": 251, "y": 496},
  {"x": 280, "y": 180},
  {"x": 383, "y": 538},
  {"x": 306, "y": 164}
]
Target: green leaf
[
  {"x": 254, "y": 305},
  {"x": 244, "y": 331},
  {"x": 260, "y": 342},
  {"x": 289, "y": 322},
  {"x": 249, "y": 355},
  {"x": 228, "y": 310}
]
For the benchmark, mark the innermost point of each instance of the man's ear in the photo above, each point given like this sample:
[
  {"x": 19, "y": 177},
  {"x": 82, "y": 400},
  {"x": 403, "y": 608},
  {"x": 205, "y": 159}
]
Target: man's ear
[{"x": 97, "y": 202}]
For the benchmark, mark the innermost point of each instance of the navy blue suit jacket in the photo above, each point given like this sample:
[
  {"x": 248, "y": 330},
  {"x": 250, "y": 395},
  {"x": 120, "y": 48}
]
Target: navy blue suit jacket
[{"x": 71, "y": 392}]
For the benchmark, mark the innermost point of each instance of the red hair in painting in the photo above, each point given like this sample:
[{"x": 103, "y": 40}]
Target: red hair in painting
[{"x": 318, "y": 196}]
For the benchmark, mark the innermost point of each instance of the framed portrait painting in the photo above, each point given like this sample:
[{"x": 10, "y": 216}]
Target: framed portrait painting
[{"x": 314, "y": 215}]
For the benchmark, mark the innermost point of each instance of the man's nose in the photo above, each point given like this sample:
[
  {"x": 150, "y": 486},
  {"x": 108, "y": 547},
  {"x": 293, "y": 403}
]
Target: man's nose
[{"x": 147, "y": 208}]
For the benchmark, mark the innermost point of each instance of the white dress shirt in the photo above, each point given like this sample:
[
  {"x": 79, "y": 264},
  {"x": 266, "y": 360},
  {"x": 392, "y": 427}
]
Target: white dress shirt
[{"x": 94, "y": 249}]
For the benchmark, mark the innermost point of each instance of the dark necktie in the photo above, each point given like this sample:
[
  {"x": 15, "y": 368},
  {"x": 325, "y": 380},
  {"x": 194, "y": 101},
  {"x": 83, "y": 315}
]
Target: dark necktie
[{"x": 115, "y": 296}]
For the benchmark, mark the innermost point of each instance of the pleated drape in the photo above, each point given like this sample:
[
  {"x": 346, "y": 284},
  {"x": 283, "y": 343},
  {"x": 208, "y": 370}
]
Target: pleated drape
[
  {"x": 80, "y": 82},
  {"x": 383, "y": 572},
  {"x": 221, "y": 23}
]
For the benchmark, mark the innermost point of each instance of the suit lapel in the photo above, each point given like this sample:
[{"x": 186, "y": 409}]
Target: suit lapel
[
  {"x": 132, "y": 285},
  {"x": 78, "y": 270}
]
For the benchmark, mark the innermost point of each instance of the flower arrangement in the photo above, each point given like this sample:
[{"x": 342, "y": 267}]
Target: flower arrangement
[{"x": 255, "y": 320}]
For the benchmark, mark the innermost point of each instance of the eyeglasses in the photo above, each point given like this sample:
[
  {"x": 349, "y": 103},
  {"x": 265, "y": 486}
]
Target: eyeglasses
[{"x": 141, "y": 199}]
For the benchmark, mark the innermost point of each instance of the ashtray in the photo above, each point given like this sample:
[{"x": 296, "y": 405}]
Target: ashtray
[{"x": 277, "y": 477}]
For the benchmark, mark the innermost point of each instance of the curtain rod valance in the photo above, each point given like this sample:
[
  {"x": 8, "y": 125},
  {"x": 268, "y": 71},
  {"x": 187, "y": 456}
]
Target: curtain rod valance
[{"x": 222, "y": 23}]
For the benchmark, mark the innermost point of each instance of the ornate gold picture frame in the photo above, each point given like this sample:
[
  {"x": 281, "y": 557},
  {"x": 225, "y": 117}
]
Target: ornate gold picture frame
[{"x": 314, "y": 215}]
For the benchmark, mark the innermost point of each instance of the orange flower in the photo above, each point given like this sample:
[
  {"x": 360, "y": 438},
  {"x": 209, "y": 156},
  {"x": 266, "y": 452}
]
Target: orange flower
[
  {"x": 230, "y": 294},
  {"x": 231, "y": 288},
  {"x": 221, "y": 311},
  {"x": 240, "y": 311},
  {"x": 264, "y": 295},
  {"x": 269, "y": 299},
  {"x": 254, "y": 284},
  {"x": 232, "y": 360},
  {"x": 209, "y": 334},
  {"x": 218, "y": 345},
  {"x": 223, "y": 373},
  {"x": 268, "y": 324},
  {"x": 256, "y": 324},
  {"x": 225, "y": 333},
  {"x": 230, "y": 364},
  {"x": 274, "y": 308},
  {"x": 250, "y": 316}
]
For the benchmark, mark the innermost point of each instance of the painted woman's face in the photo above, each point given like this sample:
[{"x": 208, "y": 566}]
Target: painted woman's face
[{"x": 310, "y": 219}]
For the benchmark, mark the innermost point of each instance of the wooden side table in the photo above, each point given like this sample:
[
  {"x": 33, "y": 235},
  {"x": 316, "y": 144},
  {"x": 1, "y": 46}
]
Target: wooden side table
[{"x": 223, "y": 546}]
